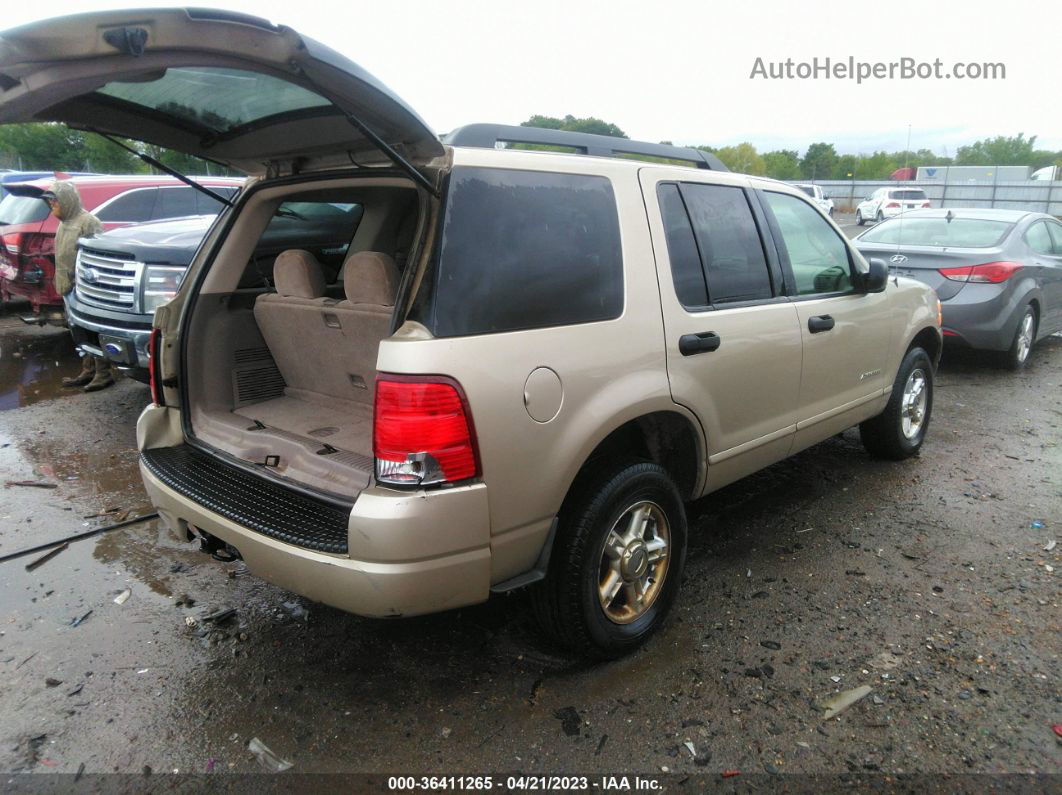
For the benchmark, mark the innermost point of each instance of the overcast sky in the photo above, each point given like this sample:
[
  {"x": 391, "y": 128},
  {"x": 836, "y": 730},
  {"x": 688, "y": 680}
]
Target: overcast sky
[{"x": 680, "y": 71}]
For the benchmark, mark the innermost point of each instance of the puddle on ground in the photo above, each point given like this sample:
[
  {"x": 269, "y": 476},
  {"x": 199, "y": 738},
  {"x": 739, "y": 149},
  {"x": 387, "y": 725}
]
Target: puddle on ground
[{"x": 33, "y": 364}]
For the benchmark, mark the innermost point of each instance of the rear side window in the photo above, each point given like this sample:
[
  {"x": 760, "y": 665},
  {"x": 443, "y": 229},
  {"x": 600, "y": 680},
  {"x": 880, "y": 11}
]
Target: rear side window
[
  {"x": 204, "y": 205},
  {"x": 1039, "y": 238},
  {"x": 175, "y": 203},
  {"x": 729, "y": 243},
  {"x": 817, "y": 255},
  {"x": 686, "y": 271},
  {"x": 526, "y": 249},
  {"x": 134, "y": 207},
  {"x": 22, "y": 210},
  {"x": 1056, "y": 236}
]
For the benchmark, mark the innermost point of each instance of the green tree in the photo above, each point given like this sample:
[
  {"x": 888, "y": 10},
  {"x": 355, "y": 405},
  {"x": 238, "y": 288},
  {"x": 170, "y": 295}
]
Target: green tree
[
  {"x": 572, "y": 124},
  {"x": 782, "y": 164},
  {"x": 742, "y": 158},
  {"x": 819, "y": 161},
  {"x": 999, "y": 151}
]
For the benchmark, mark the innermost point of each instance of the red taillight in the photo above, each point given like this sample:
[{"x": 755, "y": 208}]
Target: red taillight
[
  {"x": 892, "y": 205},
  {"x": 989, "y": 273},
  {"x": 154, "y": 376},
  {"x": 422, "y": 431},
  {"x": 12, "y": 243},
  {"x": 926, "y": 204}
]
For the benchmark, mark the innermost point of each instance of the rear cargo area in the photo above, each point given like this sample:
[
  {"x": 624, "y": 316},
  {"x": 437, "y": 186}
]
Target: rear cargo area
[{"x": 283, "y": 337}]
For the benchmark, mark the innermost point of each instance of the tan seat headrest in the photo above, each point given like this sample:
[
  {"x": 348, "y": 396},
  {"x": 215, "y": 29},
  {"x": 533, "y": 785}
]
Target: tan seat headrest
[
  {"x": 370, "y": 277},
  {"x": 298, "y": 274}
]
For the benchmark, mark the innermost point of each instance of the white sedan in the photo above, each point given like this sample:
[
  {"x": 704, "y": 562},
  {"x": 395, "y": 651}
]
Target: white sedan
[
  {"x": 815, "y": 192},
  {"x": 890, "y": 202}
]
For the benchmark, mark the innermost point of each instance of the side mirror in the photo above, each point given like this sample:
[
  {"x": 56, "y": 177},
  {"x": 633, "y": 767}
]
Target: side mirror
[{"x": 875, "y": 279}]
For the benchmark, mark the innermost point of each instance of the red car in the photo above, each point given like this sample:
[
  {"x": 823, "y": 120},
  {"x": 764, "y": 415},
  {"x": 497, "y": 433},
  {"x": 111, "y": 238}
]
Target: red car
[{"x": 27, "y": 229}]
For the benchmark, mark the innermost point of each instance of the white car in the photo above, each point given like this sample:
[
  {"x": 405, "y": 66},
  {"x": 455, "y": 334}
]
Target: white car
[
  {"x": 890, "y": 202},
  {"x": 815, "y": 192}
]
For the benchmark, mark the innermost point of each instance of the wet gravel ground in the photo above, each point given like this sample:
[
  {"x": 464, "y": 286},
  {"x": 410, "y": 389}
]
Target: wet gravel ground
[{"x": 927, "y": 581}]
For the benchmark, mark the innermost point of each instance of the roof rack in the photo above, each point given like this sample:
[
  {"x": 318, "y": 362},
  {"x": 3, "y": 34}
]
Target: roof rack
[{"x": 487, "y": 136}]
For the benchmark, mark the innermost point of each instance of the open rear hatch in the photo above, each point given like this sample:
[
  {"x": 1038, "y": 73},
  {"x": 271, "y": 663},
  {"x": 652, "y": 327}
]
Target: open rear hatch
[{"x": 218, "y": 85}]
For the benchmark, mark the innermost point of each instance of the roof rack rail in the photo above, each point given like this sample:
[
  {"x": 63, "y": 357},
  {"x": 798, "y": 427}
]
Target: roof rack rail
[{"x": 487, "y": 136}]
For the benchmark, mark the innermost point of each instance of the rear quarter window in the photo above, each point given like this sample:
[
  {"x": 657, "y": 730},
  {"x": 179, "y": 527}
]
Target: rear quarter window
[
  {"x": 526, "y": 249},
  {"x": 22, "y": 210}
]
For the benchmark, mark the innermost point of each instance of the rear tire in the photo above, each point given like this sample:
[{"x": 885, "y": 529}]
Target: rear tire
[
  {"x": 621, "y": 533},
  {"x": 1020, "y": 348},
  {"x": 859, "y": 218},
  {"x": 898, "y": 432}
]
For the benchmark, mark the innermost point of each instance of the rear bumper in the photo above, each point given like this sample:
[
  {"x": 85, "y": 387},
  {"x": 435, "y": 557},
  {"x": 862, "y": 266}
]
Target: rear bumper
[
  {"x": 983, "y": 316},
  {"x": 407, "y": 552}
]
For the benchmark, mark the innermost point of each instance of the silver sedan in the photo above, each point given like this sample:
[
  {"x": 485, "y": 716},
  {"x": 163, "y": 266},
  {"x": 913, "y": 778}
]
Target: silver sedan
[{"x": 998, "y": 273}]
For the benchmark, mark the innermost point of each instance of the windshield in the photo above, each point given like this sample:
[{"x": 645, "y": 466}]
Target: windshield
[
  {"x": 907, "y": 195},
  {"x": 959, "y": 233},
  {"x": 810, "y": 191},
  {"x": 218, "y": 99},
  {"x": 22, "y": 210}
]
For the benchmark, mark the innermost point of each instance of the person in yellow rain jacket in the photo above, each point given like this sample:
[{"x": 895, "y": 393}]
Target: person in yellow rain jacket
[{"x": 75, "y": 222}]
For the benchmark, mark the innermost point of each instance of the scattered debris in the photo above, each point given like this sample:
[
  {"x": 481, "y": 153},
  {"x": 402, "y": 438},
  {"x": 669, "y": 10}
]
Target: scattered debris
[
  {"x": 878, "y": 700},
  {"x": 1057, "y": 729},
  {"x": 731, "y": 773},
  {"x": 601, "y": 744},
  {"x": 220, "y": 616},
  {"x": 446, "y": 731},
  {"x": 771, "y": 644},
  {"x": 266, "y": 758},
  {"x": 123, "y": 597},
  {"x": 76, "y": 690},
  {"x": 77, "y": 621},
  {"x": 80, "y": 772},
  {"x": 210, "y": 765},
  {"x": 690, "y": 748},
  {"x": 35, "y": 564},
  {"x": 25, "y": 661},
  {"x": 1050, "y": 545},
  {"x": 177, "y": 567},
  {"x": 190, "y": 622},
  {"x": 839, "y": 703},
  {"x": 570, "y": 720},
  {"x": 184, "y": 600},
  {"x": 855, "y": 573},
  {"x": 1036, "y": 524},
  {"x": 32, "y": 484},
  {"x": 52, "y": 682},
  {"x": 835, "y": 678}
]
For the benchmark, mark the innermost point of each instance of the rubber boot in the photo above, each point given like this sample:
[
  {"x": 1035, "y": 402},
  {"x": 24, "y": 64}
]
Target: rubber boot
[
  {"x": 104, "y": 376},
  {"x": 88, "y": 371}
]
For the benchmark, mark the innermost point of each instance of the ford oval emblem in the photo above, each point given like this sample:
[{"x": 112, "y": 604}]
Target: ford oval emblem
[
  {"x": 111, "y": 348},
  {"x": 897, "y": 259},
  {"x": 90, "y": 275}
]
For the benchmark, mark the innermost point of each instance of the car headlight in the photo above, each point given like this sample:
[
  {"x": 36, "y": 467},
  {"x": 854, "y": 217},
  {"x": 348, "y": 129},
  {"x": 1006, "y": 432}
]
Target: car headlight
[{"x": 160, "y": 285}]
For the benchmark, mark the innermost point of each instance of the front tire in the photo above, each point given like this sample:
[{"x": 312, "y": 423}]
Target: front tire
[
  {"x": 1018, "y": 353},
  {"x": 898, "y": 432},
  {"x": 859, "y": 218},
  {"x": 879, "y": 217},
  {"x": 616, "y": 563}
]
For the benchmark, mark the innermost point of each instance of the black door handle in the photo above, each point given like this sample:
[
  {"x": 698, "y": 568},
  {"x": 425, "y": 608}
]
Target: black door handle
[
  {"x": 820, "y": 323},
  {"x": 706, "y": 341}
]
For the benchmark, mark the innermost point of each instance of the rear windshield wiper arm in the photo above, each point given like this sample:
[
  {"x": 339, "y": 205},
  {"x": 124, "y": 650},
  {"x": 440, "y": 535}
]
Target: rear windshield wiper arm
[{"x": 173, "y": 173}]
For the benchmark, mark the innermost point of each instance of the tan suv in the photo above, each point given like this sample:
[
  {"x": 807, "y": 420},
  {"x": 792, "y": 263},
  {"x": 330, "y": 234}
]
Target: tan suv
[{"x": 486, "y": 367}]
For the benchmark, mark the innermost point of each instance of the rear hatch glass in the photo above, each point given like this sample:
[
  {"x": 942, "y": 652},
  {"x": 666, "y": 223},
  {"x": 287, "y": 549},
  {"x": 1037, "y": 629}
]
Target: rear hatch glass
[
  {"x": 22, "y": 210},
  {"x": 908, "y": 195}
]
